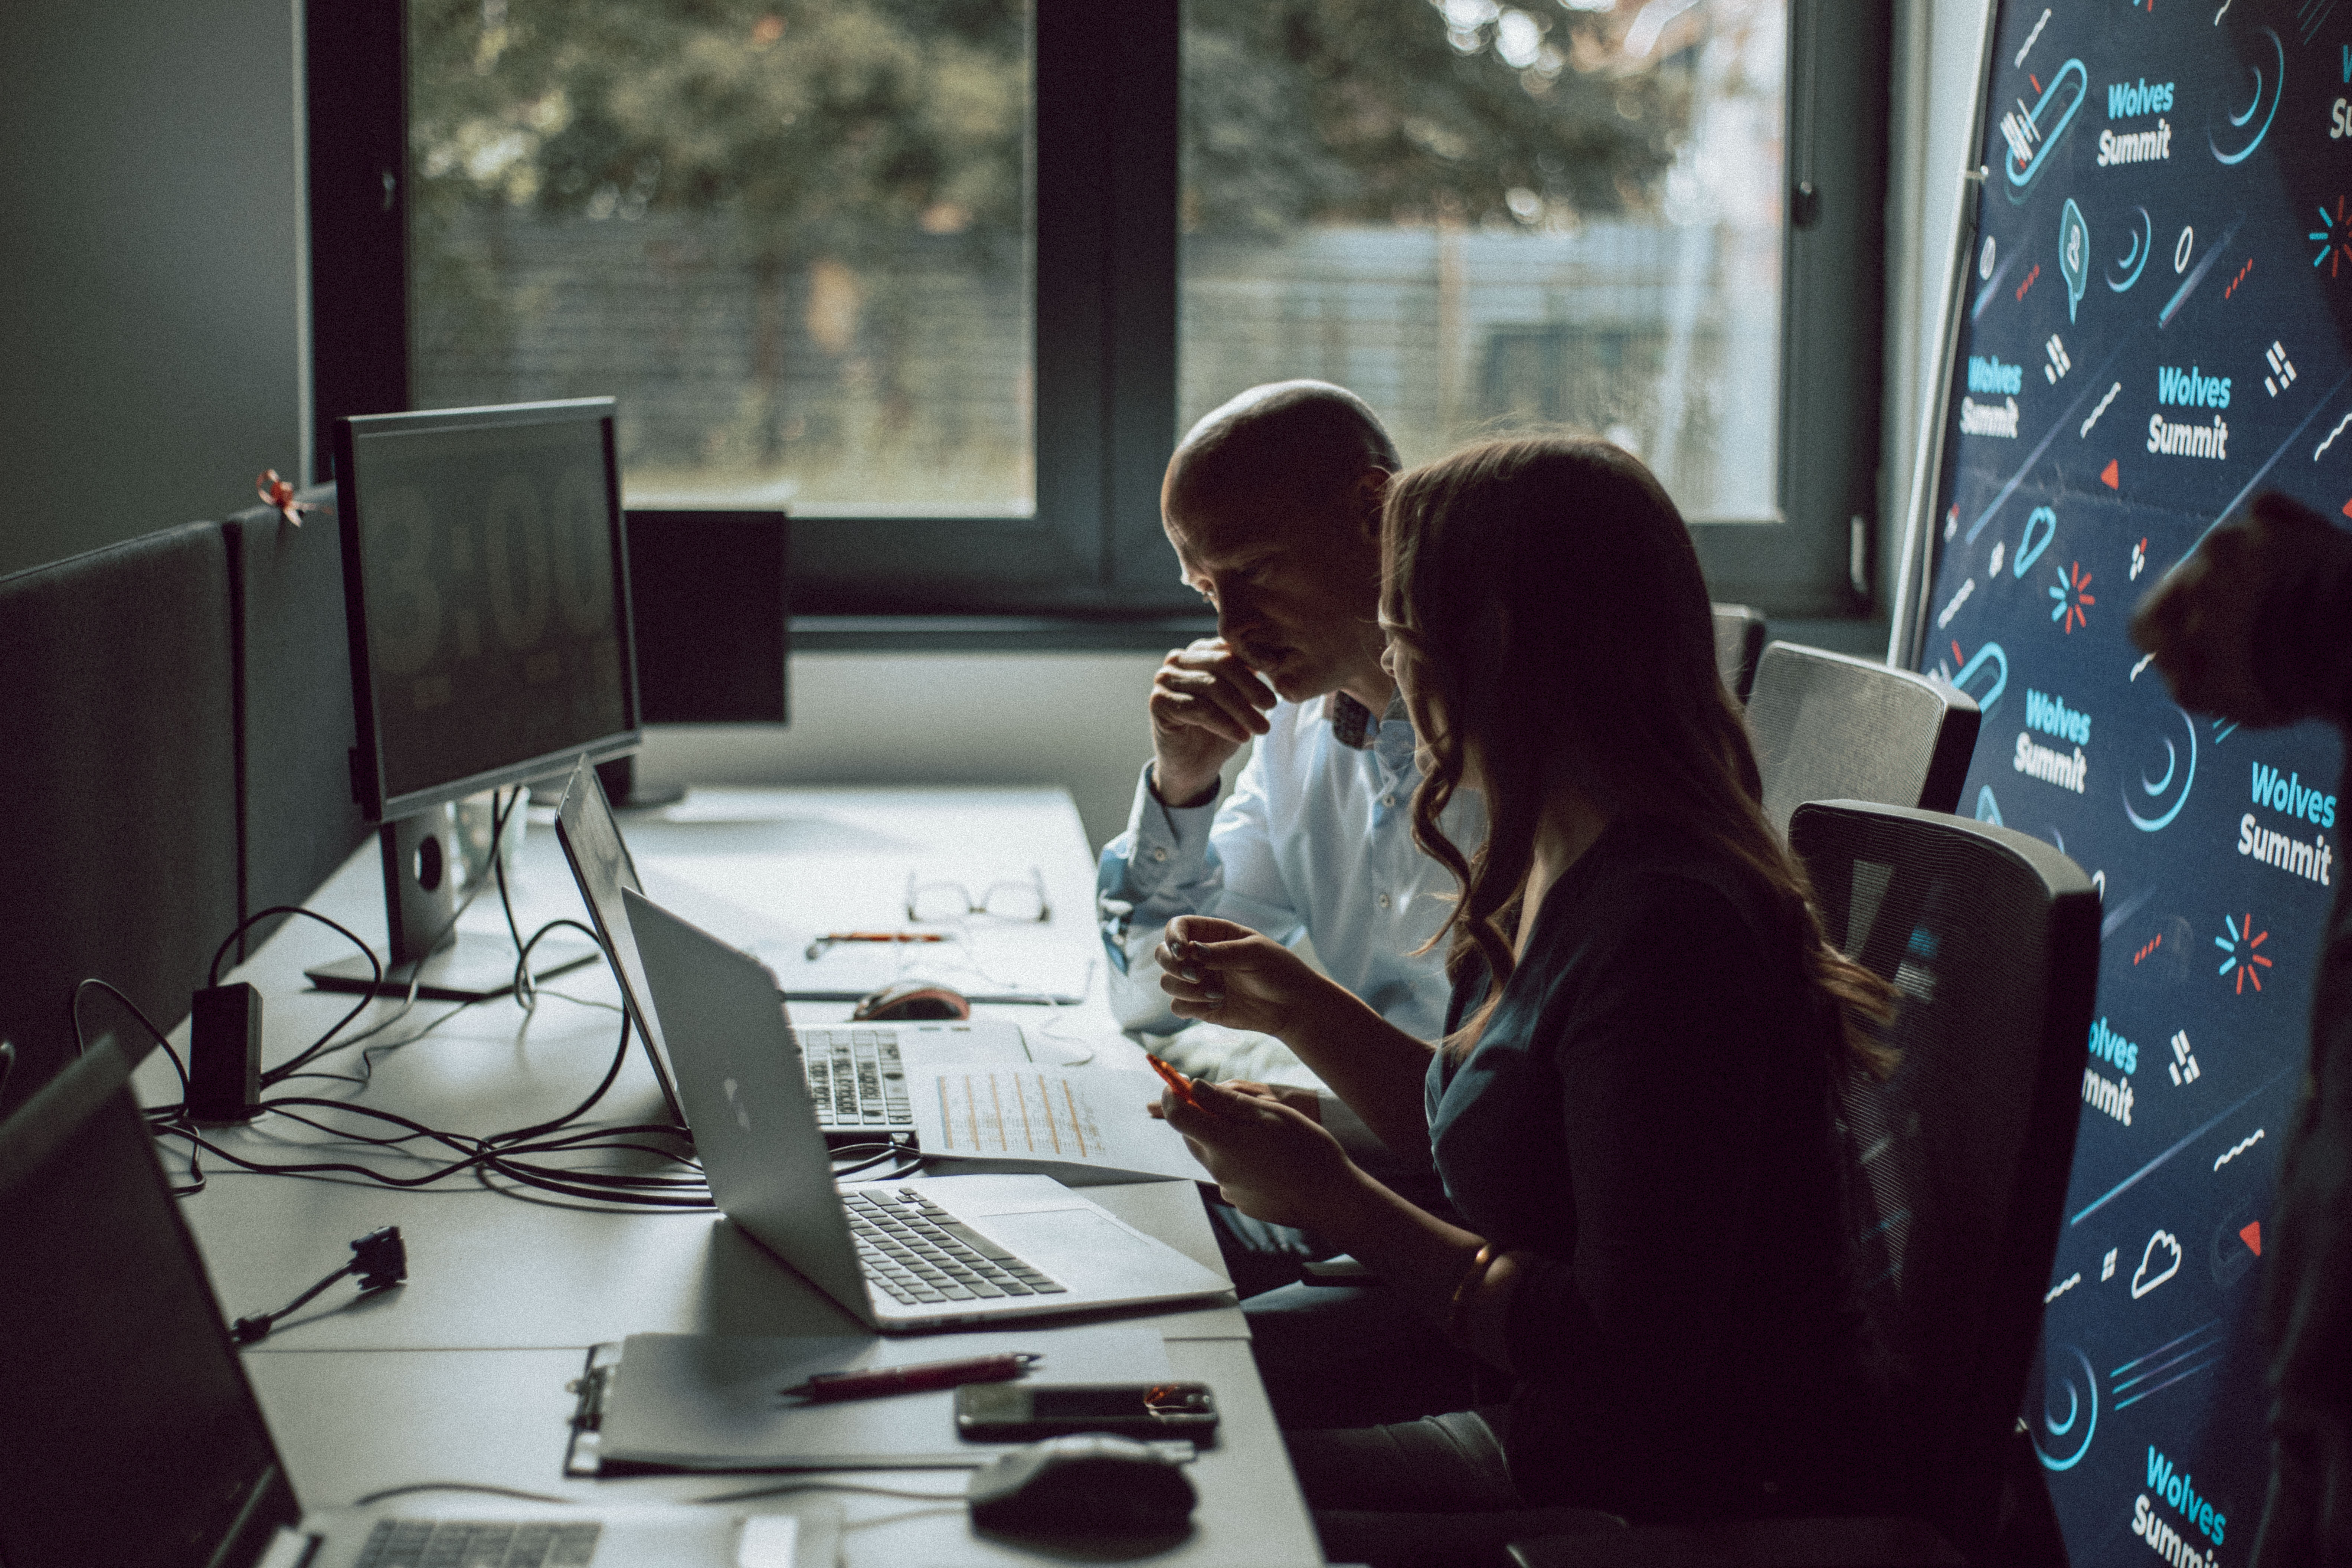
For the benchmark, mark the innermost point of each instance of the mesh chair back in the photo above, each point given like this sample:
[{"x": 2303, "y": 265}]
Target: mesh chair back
[
  {"x": 1830, "y": 727},
  {"x": 1959, "y": 1159},
  {"x": 1739, "y": 644}
]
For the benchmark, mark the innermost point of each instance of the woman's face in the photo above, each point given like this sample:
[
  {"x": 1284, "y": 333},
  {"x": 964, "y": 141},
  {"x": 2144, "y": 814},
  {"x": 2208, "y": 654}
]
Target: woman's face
[{"x": 1410, "y": 672}]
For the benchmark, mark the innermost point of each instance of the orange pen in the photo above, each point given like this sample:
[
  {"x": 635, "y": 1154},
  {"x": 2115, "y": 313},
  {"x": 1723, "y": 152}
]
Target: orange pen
[{"x": 1179, "y": 1082}]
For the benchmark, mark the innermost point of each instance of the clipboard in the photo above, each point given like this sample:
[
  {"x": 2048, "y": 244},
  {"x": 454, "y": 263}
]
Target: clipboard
[{"x": 710, "y": 1404}]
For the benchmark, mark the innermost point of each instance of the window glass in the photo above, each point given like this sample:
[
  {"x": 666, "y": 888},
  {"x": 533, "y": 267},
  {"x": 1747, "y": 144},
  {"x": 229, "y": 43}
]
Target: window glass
[
  {"x": 1485, "y": 217},
  {"x": 792, "y": 236}
]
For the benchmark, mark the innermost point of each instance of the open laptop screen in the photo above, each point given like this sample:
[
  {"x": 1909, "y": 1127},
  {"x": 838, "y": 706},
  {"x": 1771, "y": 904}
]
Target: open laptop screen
[
  {"x": 127, "y": 1433},
  {"x": 601, "y": 865}
]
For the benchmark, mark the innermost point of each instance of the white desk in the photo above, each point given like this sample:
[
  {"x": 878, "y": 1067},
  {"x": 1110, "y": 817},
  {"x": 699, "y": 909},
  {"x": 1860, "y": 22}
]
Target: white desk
[{"x": 460, "y": 1374}]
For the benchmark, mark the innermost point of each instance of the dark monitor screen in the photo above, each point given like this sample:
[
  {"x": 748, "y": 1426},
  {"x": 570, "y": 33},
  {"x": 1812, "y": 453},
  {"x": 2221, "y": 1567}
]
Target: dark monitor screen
[
  {"x": 710, "y": 594},
  {"x": 127, "y": 1433},
  {"x": 486, "y": 587},
  {"x": 2152, "y": 331}
]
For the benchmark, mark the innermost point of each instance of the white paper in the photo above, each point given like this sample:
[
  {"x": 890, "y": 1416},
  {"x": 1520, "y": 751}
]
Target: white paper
[
  {"x": 1039, "y": 1119},
  {"x": 711, "y": 1402}
]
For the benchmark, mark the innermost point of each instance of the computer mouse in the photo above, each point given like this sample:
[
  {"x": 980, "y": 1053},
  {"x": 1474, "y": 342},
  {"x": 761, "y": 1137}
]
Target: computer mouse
[
  {"x": 1089, "y": 1483},
  {"x": 913, "y": 999}
]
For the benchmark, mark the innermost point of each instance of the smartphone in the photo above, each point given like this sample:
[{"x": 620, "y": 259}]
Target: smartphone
[{"x": 1017, "y": 1412}]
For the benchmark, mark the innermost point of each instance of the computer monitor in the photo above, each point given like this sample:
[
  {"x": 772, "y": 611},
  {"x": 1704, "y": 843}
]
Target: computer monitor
[
  {"x": 486, "y": 592},
  {"x": 710, "y": 594}
]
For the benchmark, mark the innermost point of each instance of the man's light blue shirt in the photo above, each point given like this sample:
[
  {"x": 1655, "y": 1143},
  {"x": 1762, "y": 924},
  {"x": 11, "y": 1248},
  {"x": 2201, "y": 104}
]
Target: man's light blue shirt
[{"x": 1315, "y": 841}]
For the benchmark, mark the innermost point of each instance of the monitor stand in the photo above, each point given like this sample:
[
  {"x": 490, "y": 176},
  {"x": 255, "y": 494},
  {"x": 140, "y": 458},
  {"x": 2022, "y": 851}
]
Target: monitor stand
[
  {"x": 622, "y": 790},
  {"x": 426, "y": 949}
]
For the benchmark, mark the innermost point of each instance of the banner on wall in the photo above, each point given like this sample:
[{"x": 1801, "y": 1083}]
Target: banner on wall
[{"x": 2151, "y": 334}]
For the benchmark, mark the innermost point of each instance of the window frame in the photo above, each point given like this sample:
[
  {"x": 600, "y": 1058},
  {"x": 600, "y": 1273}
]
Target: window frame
[{"x": 1107, "y": 290}]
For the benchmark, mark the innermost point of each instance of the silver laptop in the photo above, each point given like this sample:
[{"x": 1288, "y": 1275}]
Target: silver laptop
[
  {"x": 901, "y": 1256},
  {"x": 133, "y": 1435},
  {"x": 858, "y": 1073}
]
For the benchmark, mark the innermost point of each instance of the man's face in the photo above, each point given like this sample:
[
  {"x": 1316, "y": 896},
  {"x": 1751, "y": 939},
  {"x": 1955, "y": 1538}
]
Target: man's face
[{"x": 1294, "y": 594}]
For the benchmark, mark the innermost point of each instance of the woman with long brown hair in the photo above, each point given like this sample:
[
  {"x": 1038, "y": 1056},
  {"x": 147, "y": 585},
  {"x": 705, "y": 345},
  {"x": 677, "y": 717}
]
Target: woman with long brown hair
[{"x": 1632, "y": 1105}]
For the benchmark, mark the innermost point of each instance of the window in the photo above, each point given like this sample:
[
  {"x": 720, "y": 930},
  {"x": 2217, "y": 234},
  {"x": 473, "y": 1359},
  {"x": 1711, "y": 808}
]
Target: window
[
  {"x": 946, "y": 277},
  {"x": 1485, "y": 218},
  {"x": 795, "y": 239}
]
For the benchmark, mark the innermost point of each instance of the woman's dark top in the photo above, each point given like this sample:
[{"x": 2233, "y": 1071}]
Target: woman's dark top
[{"x": 1649, "y": 1113}]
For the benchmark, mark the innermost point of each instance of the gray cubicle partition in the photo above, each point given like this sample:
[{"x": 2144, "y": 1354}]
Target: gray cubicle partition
[
  {"x": 296, "y": 816},
  {"x": 118, "y": 786}
]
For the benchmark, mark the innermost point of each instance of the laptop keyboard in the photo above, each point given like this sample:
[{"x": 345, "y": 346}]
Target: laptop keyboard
[
  {"x": 922, "y": 1254},
  {"x": 855, "y": 1079},
  {"x": 472, "y": 1544}
]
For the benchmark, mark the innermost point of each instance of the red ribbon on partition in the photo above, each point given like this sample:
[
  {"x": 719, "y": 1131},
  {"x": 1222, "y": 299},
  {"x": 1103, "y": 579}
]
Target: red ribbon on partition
[{"x": 279, "y": 493}]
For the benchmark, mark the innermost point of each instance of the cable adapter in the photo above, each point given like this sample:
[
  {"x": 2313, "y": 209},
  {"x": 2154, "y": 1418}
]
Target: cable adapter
[
  {"x": 380, "y": 1258},
  {"x": 225, "y": 1053}
]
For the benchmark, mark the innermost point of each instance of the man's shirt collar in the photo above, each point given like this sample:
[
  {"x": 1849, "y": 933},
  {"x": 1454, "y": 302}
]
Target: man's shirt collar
[{"x": 1352, "y": 721}]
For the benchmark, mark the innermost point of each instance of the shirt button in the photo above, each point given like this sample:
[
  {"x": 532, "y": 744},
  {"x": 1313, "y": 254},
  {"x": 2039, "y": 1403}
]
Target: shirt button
[
  {"x": 1388, "y": 800},
  {"x": 1385, "y": 901},
  {"x": 1159, "y": 854}
]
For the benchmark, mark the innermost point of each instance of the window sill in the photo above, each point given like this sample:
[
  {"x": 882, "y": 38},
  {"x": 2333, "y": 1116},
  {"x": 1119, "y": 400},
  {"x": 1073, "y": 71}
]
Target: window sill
[{"x": 993, "y": 634}]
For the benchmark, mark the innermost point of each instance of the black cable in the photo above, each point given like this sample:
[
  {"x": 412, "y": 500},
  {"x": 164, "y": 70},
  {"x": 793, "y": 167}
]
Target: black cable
[
  {"x": 499, "y": 872},
  {"x": 368, "y": 1053},
  {"x": 389, "y": 1492},
  {"x": 893, "y": 1150},
  {"x": 526, "y": 985},
  {"x": 509, "y": 1154},
  {"x": 81, "y": 1045},
  {"x": 379, "y": 1258},
  {"x": 211, "y": 975},
  {"x": 160, "y": 1117},
  {"x": 620, "y": 1056},
  {"x": 497, "y": 1152},
  {"x": 782, "y": 1488},
  {"x": 375, "y": 970},
  {"x": 319, "y": 1047},
  {"x": 486, "y": 1161}
]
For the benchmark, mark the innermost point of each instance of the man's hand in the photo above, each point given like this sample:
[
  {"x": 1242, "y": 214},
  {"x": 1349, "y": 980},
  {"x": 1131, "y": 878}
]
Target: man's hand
[
  {"x": 2200, "y": 622},
  {"x": 1205, "y": 705},
  {"x": 1230, "y": 975}
]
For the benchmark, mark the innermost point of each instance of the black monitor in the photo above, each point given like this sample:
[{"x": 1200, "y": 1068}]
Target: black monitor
[
  {"x": 711, "y": 595},
  {"x": 486, "y": 590}
]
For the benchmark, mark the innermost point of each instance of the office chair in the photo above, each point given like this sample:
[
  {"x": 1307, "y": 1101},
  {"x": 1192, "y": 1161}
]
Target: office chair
[
  {"x": 1738, "y": 643},
  {"x": 1832, "y": 727},
  {"x": 1957, "y": 1174}
]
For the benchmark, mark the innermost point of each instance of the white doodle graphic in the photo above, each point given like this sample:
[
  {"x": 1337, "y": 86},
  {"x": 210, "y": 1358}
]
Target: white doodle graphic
[
  {"x": 2146, "y": 1277},
  {"x": 2243, "y": 1145}
]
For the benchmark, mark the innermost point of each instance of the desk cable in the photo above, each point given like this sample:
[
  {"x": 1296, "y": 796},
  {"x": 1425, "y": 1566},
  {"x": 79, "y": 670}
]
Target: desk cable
[
  {"x": 507, "y": 1153},
  {"x": 370, "y": 1498}
]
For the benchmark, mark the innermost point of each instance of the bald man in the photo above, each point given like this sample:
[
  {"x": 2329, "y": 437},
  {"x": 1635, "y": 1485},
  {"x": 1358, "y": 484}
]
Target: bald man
[{"x": 1273, "y": 502}]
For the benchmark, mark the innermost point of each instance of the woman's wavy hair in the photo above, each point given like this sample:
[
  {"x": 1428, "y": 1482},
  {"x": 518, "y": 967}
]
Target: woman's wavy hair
[{"x": 1547, "y": 593}]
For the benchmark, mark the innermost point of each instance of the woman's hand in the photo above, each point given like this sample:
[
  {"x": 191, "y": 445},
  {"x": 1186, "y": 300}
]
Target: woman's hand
[
  {"x": 1304, "y": 1102},
  {"x": 1230, "y": 975},
  {"x": 1269, "y": 1161}
]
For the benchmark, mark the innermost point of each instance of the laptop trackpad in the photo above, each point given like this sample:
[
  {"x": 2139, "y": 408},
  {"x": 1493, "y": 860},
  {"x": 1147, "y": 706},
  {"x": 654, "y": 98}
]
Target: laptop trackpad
[{"x": 1080, "y": 1236}]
